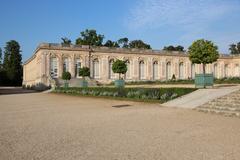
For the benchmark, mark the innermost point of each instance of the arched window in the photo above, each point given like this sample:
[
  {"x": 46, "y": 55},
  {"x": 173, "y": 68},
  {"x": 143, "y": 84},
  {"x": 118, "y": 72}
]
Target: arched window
[
  {"x": 110, "y": 71},
  {"x": 168, "y": 71},
  {"x": 181, "y": 71},
  {"x": 226, "y": 70},
  {"x": 77, "y": 67},
  {"x": 54, "y": 67},
  {"x": 65, "y": 65},
  {"x": 128, "y": 73},
  {"x": 215, "y": 70},
  {"x": 96, "y": 68},
  {"x": 155, "y": 70},
  {"x": 141, "y": 70},
  {"x": 192, "y": 71}
]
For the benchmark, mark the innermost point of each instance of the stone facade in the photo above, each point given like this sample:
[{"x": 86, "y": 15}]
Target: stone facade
[{"x": 50, "y": 60}]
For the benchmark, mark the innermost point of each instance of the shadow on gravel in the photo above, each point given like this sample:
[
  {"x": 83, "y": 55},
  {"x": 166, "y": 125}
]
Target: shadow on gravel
[
  {"x": 14, "y": 90},
  {"x": 120, "y": 106}
]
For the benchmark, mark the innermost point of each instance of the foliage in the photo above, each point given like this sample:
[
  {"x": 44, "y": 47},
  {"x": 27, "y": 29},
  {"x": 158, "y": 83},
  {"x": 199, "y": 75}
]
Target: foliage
[
  {"x": 139, "y": 44},
  {"x": 110, "y": 43},
  {"x": 0, "y": 58},
  {"x": 172, "y": 48},
  {"x": 231, "y": 80},
  {"x": 235, "y": 48},
  {"x": 203, "y": 52},
  {"x": 90, "y": 37},
  {"x": 66, "y": 41},
  {"x": 84, "y": 72},
  {"x": 66, "y": 75},
  {"x": 123, "y": 42},
  {"x": 143, "y": 94},
  {"x": 12, "y": 64},
  {"x": 119, "y": 67}
]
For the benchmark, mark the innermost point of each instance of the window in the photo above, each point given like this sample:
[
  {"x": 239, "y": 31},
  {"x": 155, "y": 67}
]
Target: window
[
  {"x": 155, "y": 70},
  {"x": 65, "y": 65},
  {"x": 77, "y": 67},
  {"x": 168, "y": 71},
  {"x": 96, "y": 68},
  {"x": 181, "y": 71},
  {"x": 54, "y": 67},
  {"x": 141, "y": 70}
]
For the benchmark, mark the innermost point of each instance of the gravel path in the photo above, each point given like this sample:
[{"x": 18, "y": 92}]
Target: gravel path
[{"x": 48, "y": 127}]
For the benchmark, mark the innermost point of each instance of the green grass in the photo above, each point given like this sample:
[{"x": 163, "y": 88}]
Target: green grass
[{"x": 159, "y": 95}]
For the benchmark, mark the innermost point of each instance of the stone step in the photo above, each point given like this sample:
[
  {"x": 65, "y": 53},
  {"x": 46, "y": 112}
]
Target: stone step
[
  {"x": 221, "y": 108},
  {"x": 222, "y": 112}
]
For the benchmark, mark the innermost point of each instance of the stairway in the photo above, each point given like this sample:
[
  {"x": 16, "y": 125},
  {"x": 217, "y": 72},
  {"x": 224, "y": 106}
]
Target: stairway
[{"x": 228, "y": 105}]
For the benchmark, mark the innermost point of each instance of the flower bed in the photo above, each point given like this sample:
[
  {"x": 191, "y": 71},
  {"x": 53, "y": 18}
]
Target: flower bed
[{"x": 141, "y": 94}]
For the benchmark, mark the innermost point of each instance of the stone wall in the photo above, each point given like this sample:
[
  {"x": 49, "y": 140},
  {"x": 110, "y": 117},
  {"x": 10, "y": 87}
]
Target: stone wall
[{"x": 38, "y": 67}]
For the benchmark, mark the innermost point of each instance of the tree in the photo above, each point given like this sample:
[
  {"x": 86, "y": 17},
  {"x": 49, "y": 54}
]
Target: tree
[
  {"x": 66, "y": 41},
  {"x": 233, "y": 49},
  {"x": 84, "y": 72},
  {"x": 0, "y": 58},
  {"x": 172, "y": 48},
  {"x": 13, "y": 62},
  {"x": 238, "y": 47},
  {"x": 203, "y": 52},
  {"x": 66, "y": 76},
  {"x": 123, "y": 42},
  {"x": 139, "y": 44},
  {"x": 90, "y": 37},
  {"x": 110, "y": 43},
  {"x": 119, "y": 67}
]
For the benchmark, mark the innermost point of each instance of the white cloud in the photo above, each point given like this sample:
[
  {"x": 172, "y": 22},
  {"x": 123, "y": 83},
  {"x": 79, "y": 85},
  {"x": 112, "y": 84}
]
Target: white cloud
[{"x": 193, "y": 17}]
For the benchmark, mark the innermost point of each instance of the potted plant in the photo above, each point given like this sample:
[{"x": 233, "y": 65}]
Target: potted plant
[
  {"x": 84, "y": 72},
  {"x": 203, "y": 52},
  {"x": 119, "y": 67},
  {"x": 66, "y": 76}
]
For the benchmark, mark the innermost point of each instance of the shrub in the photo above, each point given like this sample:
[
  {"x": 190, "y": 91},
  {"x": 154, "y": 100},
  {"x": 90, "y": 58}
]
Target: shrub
[
  {"x": 119, "y": 67},
  {"x": 84, "y": 72},
  {"x": 143, "y": 94},
  {"x": 66, "y": 75}
]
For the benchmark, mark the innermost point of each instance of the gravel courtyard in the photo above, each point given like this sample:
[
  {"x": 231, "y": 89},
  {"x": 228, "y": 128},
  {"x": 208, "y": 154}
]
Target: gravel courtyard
[{"x": 48, "y": 126}]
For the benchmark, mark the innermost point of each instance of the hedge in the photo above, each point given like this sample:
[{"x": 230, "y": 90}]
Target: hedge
[{"x": 143, "y": 94}]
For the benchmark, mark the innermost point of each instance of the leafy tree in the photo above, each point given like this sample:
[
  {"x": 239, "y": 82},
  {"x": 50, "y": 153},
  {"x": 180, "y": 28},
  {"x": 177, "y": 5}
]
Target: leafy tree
[
  {"x": 238, "y": 47},
  {"x": 119, "y": 67},
  {"x": 233, "y": 49},
  {"x": 110, "y": 43},
  {"x": 0, "y": 58},
  {"x": 123, "y": 42},
  {"x": 203, "y": 52},
  {"x": 66, "y": 76},
  {"x": 90, "y": 37},
  {"x": 172, "y": 48},
  {"x": 84, "y": 72},
  {"x": 139, "y": 44},
  {"x": 13, "y": 62},
  {"x": 66, "y": 41}
]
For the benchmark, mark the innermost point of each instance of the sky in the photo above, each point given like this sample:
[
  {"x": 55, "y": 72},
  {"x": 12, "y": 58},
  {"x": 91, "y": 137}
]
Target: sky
[{"x": 157, "y": 22}]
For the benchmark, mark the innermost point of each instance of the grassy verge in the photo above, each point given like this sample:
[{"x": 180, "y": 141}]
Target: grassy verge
[{"x": 136, "y": 94}]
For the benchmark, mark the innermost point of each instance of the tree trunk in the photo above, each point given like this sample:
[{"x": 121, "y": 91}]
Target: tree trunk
[{"x": 204, "y": 69}]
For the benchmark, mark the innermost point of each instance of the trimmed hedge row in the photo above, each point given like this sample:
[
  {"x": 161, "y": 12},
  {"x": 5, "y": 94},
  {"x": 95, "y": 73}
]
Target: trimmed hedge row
[{"x": 144, "y": 94}]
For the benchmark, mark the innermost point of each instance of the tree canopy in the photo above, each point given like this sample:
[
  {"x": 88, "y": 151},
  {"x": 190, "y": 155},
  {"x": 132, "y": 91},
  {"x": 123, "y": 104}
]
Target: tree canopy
[
  {"x": 139, "y": 44},
  {"x": 66, "y": 76},
  {"x": 235, "y": 48},
  {"x": 119, "y": 67},
  {"x": 123, "y": 42},
  {"x": 110, "y": 43},
  {"x": 12, "y": 63},
  {"x": 172, "y": 48},
  {"x": 84, "y": 72},
  {"x": 0, "y": 58},
  {"x": 90, "y": 37},
  {"x": 203, "y": 52}
]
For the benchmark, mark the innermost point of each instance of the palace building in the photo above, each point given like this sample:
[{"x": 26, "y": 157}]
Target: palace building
[{"x": 50, "y": 60}]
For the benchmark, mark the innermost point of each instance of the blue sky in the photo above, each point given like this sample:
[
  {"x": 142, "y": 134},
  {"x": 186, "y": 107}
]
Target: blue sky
[{"x": 157, "y": 22}]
